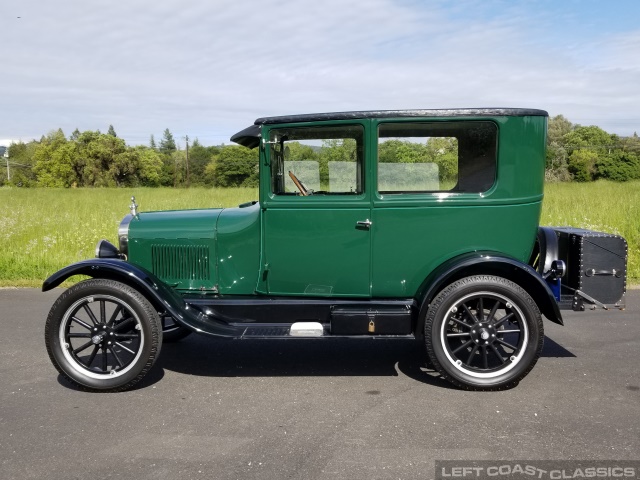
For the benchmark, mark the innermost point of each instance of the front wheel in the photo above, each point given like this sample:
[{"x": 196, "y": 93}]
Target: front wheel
[
  {"x": 483, "y": 333},
  {"x": 103, "y": 335}
]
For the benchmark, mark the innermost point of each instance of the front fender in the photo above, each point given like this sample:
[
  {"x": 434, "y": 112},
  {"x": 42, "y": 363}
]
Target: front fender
[
  {"x": 489, "y": 263},
  {"x": 157, "y": 292}
]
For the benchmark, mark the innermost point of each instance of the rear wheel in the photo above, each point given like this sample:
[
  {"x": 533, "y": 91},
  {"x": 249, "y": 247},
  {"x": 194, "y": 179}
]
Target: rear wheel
[
  {"x": 484, "y": 333},
  {"x": 103, "y": 335}
]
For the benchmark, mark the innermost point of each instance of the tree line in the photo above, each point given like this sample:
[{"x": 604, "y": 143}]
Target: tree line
[
  {"x": 95, "y": 159},
  {"x": 584, "y": 154}
]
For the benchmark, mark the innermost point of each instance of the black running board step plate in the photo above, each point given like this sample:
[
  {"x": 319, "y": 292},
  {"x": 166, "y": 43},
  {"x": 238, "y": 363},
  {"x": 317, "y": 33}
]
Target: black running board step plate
[
  {"x": 278, "y": 333},
  {"x": 261, "y": 332}
]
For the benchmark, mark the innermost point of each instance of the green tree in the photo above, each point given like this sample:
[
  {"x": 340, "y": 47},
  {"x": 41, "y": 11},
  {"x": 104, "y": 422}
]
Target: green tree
[
  {"x": 619, "y": 166},
  {"x": 179, "y": 159},
  {"x": 111, "y": 131},
  {"x": 582, "y": 164},
  {"x": 234, "y": 166},
  {"x": 631, "y": 144},
  {"x": 152, "y": 142},
  {"x": 55, "y": 161},
  {"x": 199, "y": 158},
  {"x": 96, "y": 154},
  {"x": 338, "y": 150},
  {"x": 296, "y": 151},
  {"x": 443, "y": 151},
  {"x": 332, "y": 150},
  {"x": 94, "y": 159},
  {"x": 123, "y": 169},
  {"x": 558, "y": 127},
  {"x": 586, "y": 146},
  {"x": 557, "y": 167},
  {"x": 167, "y": 143},
  {"x": 591, "y": 138},
  {"x": 167, "y": 174},
  {"x": 388, "y": 151},
  {"x": 150, "y": 167},
  {"x": 22, "y": 161}
]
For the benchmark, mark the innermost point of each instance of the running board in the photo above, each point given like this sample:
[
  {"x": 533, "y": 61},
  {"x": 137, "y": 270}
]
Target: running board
[{"x": 300, "y": 330}]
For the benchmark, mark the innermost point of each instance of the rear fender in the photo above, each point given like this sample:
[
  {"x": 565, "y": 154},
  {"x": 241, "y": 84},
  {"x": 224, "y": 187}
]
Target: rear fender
[
  {"x": 163, "y": 297},
  {"x": 488, "y": 263}
]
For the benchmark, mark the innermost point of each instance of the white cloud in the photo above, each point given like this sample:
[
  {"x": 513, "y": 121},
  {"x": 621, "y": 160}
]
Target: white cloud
[{"x": 209, "y": 69}]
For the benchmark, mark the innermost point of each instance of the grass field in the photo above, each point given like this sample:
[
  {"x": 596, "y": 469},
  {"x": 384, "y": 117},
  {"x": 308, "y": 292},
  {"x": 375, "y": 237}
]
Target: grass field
[
  {"x": 43, "y": 230},
  {"x": 602, "y": 206}
]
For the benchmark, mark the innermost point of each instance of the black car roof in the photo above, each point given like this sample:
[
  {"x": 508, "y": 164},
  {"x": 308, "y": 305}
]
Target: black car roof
[
  {"x": 448, "y": 112},
  {"x": 250, "y": 137}
]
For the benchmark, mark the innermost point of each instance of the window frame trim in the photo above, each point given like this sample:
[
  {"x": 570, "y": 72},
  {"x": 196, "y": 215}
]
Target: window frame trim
[
  {"x": 270, "y": 199},
  {"x": 438, "y": 195}
]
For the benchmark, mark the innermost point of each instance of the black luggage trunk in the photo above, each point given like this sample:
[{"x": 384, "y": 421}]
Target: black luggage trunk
[{"x": 596, "y": 267}]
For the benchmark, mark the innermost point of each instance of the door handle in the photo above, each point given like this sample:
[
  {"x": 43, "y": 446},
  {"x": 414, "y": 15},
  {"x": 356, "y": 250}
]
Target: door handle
[{"x": 364, "y": 223}]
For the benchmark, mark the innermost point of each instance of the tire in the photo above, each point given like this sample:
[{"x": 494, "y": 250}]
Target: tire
[
  {"x": 483, "y": 333},
  {"x": 103, "y": 335},
  {"x": 171, "y": 331}
]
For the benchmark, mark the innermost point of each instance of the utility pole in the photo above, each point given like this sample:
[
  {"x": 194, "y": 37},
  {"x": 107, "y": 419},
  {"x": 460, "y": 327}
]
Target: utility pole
[
  {"x": 6, "y": 155},
  {"x": 175, "y": 171},
  {"x": 187, "y": 141}
]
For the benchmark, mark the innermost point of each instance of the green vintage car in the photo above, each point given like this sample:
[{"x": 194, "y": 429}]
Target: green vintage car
[{"x": 410, "y": 224}]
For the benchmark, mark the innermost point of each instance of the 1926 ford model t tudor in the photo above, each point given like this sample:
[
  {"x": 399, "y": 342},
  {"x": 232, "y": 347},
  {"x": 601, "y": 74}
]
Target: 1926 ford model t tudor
[{"x": 395, "y": 224}]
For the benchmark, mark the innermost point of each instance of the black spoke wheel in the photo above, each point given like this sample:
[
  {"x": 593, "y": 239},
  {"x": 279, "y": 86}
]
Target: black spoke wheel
[
  {"x": 172, "y": 331},
  {"x": 483, "y": 333},
  {"x": 103, "y": 335}
]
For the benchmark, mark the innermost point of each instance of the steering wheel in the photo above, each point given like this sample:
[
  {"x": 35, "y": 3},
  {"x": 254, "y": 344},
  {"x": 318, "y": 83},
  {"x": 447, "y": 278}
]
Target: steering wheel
[{"x": 298, "y": 183}]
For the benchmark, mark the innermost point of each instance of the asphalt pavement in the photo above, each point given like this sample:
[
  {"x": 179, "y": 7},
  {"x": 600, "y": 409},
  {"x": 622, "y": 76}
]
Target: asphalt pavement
[{"x": 312, "y": 409}]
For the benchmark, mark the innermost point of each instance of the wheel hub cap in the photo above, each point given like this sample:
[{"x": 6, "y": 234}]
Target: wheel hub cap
[{"x": 483, "y": 333}]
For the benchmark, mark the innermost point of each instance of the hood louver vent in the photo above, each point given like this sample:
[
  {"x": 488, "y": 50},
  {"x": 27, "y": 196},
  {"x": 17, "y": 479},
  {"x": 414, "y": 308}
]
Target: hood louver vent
[{"x": 180, "y": 262}]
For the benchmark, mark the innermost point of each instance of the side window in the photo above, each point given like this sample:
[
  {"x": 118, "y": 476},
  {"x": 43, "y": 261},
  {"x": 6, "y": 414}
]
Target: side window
[
  {"x": 436, "y": 157},
  {"x": 317, "y": 160}
]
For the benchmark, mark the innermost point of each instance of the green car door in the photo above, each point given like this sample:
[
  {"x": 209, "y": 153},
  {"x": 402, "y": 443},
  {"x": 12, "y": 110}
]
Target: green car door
[{"x": 316, "y": 211}]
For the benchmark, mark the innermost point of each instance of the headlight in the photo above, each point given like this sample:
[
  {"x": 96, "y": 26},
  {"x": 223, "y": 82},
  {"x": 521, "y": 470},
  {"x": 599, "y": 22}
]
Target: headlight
[
  {"x": 123, "y": 234},
  {"x": 106, "y": 249}
]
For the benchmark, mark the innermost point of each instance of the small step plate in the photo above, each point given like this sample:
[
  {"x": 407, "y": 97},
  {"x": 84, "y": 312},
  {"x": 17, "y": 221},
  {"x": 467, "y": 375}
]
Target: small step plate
[
  {"x": 266, "y": 332},
  {"x": 306, "y": 329}
]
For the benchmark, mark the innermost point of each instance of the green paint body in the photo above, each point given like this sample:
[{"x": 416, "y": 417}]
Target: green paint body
[{"x": 311, "y": 246}]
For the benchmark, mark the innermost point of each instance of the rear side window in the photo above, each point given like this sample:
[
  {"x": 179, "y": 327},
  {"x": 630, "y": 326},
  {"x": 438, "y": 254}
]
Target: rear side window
[{"x": 437, "y": 157}]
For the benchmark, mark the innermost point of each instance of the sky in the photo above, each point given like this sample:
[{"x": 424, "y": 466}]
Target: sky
[{"x": 208, "y": 69}]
